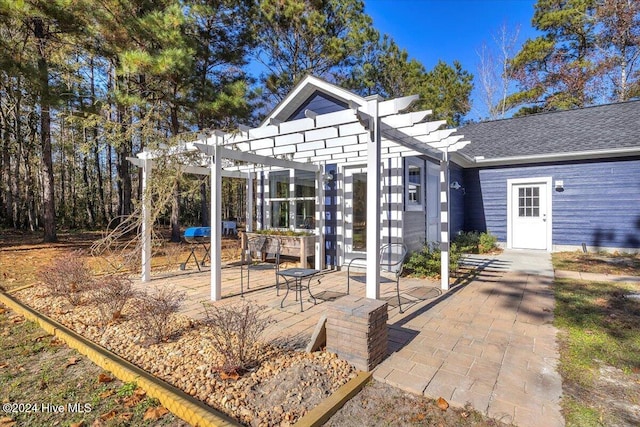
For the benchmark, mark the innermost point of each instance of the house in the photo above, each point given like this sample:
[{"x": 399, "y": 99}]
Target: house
[
  {"x": 554, "y": 181},
  {"x": 551, "y": 181},
  {"x": 360, "y": 172}
]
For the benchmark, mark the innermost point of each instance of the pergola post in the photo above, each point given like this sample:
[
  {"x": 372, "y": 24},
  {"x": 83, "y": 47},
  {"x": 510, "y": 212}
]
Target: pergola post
[
  {"x": 249, "y": 213},
  {"x": 319, "y": 220},
  {"x": 374, "y": 159},
  {"x": 146, "y": 226},
  {"x": 444, "y": 221},
  {"x": 216, "y": 221}
]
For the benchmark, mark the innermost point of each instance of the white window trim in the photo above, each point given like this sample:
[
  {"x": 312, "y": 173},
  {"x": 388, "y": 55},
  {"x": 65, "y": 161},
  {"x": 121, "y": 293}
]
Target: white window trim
[{"x": 420, "y": 163}]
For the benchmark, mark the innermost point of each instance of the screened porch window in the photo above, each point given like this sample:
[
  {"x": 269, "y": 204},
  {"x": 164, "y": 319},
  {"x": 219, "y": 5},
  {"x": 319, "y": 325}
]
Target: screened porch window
[{"x": 292, "y": 199}]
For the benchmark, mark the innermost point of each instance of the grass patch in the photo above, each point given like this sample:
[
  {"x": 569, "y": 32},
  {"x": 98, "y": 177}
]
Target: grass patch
[
  {"x": 599, "y": 349},
  {"x": 46, "y": 383},
  {"x": 603, "y": 262}
]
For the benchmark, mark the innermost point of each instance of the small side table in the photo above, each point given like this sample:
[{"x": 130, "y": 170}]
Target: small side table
[{"x": 298, "y": 274}]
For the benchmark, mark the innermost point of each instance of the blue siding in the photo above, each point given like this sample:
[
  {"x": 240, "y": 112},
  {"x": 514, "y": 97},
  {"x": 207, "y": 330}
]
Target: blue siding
[
  {"x": 600, "y": 204},
  {"x": 456, "y": 207},
  {"x": 320, "y": 103}
]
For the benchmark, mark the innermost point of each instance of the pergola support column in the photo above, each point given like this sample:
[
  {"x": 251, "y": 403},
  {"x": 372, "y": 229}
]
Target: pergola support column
[
  {"x": 249, "y": 213},
  {"x": 444, "y": 222},
  {"x": 374, "y": 158},
  {"x": 146, "y": 226},
  {"x": 216, "y": 220},
  {"x": 319, "y": 220}
]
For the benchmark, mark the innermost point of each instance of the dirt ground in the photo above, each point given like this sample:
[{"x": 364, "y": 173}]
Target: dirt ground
[{"x": 379, "y": 404}]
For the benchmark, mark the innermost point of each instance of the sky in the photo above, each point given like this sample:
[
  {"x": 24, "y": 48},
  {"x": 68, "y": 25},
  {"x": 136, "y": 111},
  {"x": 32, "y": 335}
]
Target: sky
[{"x": 449, "y": 30}]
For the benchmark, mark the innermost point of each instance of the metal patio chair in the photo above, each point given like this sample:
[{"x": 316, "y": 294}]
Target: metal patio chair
[
  {"x": 392, "y": 256},
  {"x": 259, "y": 248}
]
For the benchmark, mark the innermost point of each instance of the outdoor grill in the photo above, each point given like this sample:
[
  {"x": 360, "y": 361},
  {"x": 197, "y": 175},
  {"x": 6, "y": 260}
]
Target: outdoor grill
[{"x": 197, "y": 236}]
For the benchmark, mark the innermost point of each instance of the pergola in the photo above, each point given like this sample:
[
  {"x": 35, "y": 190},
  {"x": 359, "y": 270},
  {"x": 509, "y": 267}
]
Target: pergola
[{"x": 375, "y": 129}]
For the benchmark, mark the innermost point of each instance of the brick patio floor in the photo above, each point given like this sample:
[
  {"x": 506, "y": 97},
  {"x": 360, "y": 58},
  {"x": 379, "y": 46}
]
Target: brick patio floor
[{"x": 489, "y": 341}]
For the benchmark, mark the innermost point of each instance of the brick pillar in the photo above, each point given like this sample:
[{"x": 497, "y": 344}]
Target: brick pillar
[{"x": 357, "y": 330}]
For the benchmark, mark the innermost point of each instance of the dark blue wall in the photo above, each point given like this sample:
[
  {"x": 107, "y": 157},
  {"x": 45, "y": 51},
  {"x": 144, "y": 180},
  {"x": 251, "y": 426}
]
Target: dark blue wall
[
  {"x": 600, "y": 204},
  {"x": 456, "y": 208}
]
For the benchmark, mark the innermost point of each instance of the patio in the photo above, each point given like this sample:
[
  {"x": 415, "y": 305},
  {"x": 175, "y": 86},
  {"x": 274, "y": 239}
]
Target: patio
[
  {"x": 488, "y": 342},
  {"x": 292, "y": 327}
]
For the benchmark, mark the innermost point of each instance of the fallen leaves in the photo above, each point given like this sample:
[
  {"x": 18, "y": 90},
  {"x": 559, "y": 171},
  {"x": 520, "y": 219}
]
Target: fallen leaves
[
  {"x": 442, "y": 404},
  {"x": 137, "y": 397},
  {"x": 155, "y": 413},
  {"x": 107, "y": 393},
  {"x": 72, "y": 361},
  {"x": 109, "y": 415},
  {"x": 7, "y": 422},
  {"x": 104, "y": 378}
]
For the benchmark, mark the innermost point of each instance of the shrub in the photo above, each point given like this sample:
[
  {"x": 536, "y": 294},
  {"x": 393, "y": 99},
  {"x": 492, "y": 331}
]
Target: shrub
[
  {"x": 487, "y": 243},
  {"x": 110, "y": 294},
  {"x": 67, "y": 277},
  {"x": 427, "y": 261},
  {"x": 236, "y": 330},
  {"x": 468, "y": 241},
  {"x": 474, "y": 242},
  {"x": 156, "y": 310}
]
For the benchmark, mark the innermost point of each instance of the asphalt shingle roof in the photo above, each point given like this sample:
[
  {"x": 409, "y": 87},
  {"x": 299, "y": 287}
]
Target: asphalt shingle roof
[{"x": 599, "y": 128}]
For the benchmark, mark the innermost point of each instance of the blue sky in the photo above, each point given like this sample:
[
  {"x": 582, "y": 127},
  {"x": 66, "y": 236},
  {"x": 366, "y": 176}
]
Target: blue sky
[{"x": 450, "y": 30}]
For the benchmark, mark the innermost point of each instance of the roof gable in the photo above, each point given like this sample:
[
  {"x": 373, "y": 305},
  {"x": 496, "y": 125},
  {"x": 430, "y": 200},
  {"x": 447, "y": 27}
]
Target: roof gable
[{"x": 312, "y": 92}]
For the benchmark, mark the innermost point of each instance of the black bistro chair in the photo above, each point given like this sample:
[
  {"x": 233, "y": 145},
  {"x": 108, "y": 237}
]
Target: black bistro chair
[
  {"x": 392, "y": 256},
  {"x": 259, "y": 249}
]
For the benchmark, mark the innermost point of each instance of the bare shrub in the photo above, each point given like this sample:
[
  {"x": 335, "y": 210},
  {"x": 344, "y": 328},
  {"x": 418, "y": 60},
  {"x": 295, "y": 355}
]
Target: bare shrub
[
  {"x": 155, "y": 311},
  {"x": 236, "y": 329},
  {"x": 110, "y": 294},
  {"x": 67, "y": 276}
]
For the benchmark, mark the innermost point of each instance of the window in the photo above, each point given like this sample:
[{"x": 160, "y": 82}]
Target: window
[
  {"x": 529, "y": 202},
  {"x": 297, "y": 212},
  {"x": 414, "y": 184}
]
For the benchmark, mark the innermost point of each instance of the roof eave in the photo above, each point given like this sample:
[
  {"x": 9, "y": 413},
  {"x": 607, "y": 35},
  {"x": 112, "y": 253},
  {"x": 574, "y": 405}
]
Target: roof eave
[{"x": 553, "y": 157}]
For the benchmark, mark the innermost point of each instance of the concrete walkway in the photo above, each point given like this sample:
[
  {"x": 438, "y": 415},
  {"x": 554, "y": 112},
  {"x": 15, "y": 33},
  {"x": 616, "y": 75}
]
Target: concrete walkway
[{"x": 489, "y": 342}]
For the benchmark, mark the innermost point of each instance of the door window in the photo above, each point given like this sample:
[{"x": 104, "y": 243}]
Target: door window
[{"x": 529, "y": 202}]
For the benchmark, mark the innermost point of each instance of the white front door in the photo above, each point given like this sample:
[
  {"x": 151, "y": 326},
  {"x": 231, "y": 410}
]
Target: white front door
[{"x": 530, "y": 214}]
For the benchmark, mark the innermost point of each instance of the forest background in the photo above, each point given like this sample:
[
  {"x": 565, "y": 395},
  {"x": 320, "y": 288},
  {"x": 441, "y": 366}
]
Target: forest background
[{"x": 84, "y": 84}]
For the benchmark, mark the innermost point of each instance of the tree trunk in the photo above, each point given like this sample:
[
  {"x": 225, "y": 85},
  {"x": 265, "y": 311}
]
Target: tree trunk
[
  {"x": 124, "y": 176},
  {"x": 48, "y": 201},
  {"x": 175, "y": 213},
  {"x": 88, "y": 193}
]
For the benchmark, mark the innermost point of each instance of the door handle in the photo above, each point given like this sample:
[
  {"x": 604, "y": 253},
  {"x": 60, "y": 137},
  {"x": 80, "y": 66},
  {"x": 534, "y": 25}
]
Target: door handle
[{"x": 544, "y": 217}]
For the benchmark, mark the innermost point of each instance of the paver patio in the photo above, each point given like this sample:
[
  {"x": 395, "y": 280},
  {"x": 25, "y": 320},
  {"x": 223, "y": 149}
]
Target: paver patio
[{"x": 489, "y": 341}]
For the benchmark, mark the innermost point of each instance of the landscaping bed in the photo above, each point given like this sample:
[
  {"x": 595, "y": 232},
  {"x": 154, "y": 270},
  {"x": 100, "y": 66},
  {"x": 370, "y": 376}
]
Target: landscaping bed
[{"x": 277, "y": 389}]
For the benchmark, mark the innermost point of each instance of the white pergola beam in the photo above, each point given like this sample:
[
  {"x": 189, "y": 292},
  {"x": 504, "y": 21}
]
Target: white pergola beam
[{"x": 255, "y": 159}]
